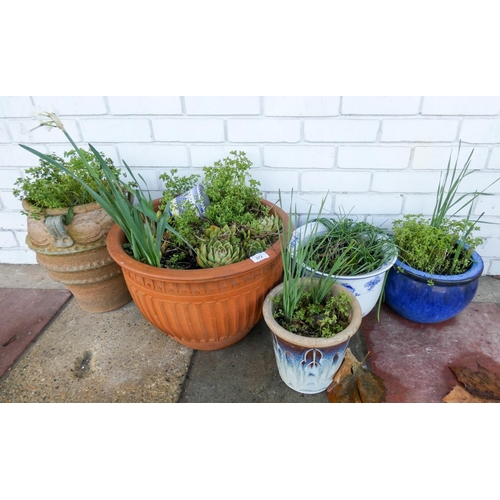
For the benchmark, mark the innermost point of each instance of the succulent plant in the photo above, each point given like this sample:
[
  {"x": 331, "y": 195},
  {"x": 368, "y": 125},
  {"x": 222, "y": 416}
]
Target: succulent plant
[
  {"x": 264, "y": 225},
  {"x": 215, "y": 253},
  {"x": 256, "y": 246},
  {"x": 217, "y": 233}
]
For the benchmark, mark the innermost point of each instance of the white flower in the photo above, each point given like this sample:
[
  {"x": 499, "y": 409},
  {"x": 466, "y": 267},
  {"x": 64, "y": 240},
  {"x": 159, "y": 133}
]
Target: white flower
[
  {"x": 47, "y": 118},
  {"x": 25, "y": 131}
]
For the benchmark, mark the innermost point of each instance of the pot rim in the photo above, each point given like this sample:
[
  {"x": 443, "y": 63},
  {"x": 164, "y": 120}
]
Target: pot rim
[
  {"x": 312, "y": 342},
  {"x": 116, "y": 238},
  {"x": 474, "y": 272},
  {"x": 77, "y": 209}
]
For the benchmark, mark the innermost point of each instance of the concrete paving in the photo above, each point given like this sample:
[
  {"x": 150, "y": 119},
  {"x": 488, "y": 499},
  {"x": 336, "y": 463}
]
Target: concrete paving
[{"x": 125, "y": 359}]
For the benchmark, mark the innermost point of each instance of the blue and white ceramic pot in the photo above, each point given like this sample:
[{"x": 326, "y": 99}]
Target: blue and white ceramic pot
[
  {"x": 409, "y": 292},
  {"x": 365, "y": 287},
  {"x": 307, "y": 365}
]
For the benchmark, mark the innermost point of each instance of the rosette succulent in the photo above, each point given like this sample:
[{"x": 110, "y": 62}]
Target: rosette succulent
[
  {"x": 264, "y": 225},
  {"x": 256, "y": 246},
  {"x": 215, "y": 253}
]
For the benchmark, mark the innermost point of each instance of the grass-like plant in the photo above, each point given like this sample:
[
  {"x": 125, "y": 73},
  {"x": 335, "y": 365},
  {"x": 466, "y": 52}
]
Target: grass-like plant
[
  {"x": 369, "y": 246},
  {"x": 442, "y": 244},
  {"x": 142, "y": 227},
  {"x": 299, "y": 292}
]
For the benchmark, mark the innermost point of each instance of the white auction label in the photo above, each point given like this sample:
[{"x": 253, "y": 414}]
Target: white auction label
[{"x": 259, "y": 256}]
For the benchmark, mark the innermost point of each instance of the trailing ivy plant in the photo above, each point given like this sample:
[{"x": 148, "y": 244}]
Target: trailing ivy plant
[{"x": 444, "y": 243}]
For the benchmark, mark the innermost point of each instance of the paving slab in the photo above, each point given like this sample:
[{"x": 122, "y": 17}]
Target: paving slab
[
  {"x": 413, "y": 359},
  {"x": 120, "y": 357},
  {"x": 23, "y": 315},
  {"x": 247, "y": 372},
  {"x": 98, "y": 358}
]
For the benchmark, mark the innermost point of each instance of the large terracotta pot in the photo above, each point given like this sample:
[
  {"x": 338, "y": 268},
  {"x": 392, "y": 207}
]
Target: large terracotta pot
[
  {"x": 306, "y": 364},
  {"x": 204, "y": 309},
  {"x": 76, "y": 255}
]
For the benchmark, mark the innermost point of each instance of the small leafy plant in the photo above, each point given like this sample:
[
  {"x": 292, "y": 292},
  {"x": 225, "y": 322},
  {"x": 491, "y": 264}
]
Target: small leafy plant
[
  {"x": 143, "y": 229},
  {"x": 442, "y": 244},
  {"x": 46, "y": 186},
  {"x": 434, "y": 249},
  {"x": 316, "y": 320},
  {"x": 305, "y": 306},
  {"x": 235, "y": 226}
]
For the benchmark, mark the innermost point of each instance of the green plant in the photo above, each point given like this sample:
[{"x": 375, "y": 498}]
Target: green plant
[
  {"x": 369, "y": 246},
  {"x": 301, "y": 297},
  {"x": 316, "y": 320},
  {"x": 175, "y": 185},
  {"x": 46, "y": 186},
  {"x": 434, "y": 249},
  {"x": 143, "y": 228},
  {"x": 234, "y": 195},
  {"x": 235, "y": 202},
  {"x": 442, "y": 244}
]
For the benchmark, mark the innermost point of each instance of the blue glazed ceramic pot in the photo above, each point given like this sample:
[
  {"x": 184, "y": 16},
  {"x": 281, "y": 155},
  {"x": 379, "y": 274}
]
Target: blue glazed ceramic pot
[
  {"x": 308, "y": 365},
  {"x": 408, "y": 293}
]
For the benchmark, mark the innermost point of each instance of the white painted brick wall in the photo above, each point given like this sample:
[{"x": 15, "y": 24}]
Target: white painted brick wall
[
  {"x": 301, "y": 106},
  {"x": 379, "y": 157},
  {"x": 419, "y": 130},
  {"x": 4, "y": 133},
  {"x": 405, "y": 182},
  {"x": 222, "y": 106},
  {"x": 427, "y": 158},
  {"x": 145, "y": 105},
  {"x": 494, "y": 162},
  {"x": 373, "y": 204},
  {"x": 380, "y": 105},
  {"x": 335, "y": 181},
  {"x": 299, "y": 156},
  {"x": 481, "y": 131},
  {"x": 376, "y": 157},
  {"x": 461, "y": 106},
  {"x": 72, "y": 105},
  {"x": 263, "y": 130},
  {"x": 15, "y": 107},
  {"x": 7, "y": 239},
  {"x": 340, "y": 130},
  {"x": 189, "y": 130},
  {"x": 116, "y": 130}
]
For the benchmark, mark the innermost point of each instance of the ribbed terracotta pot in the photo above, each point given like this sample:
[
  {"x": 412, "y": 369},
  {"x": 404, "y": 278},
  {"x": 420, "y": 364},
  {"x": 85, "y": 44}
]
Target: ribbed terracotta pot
[
  {"x": 76, "y": 255},
  {"x": 307, "y": 364},
  {"x": 204, "y": 309}
]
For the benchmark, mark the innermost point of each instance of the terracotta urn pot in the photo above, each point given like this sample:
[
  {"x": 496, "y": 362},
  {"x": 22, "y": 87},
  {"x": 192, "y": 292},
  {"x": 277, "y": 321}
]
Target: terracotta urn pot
[
  {"x": 204, "y": 309},
  {"x": 76, "y": 255},
  {"x": 307, "y": 364}
]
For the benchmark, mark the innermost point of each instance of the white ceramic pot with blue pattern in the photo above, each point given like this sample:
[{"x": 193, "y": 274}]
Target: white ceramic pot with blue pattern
[
  {"x": 365, "y": 287},
  {"x": 306, "y": 364}
]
